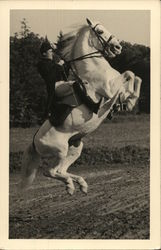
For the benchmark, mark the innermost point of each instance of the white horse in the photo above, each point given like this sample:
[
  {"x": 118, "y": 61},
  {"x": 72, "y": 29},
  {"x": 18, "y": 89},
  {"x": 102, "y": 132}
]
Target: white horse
[{"x": 87, "y": 47}]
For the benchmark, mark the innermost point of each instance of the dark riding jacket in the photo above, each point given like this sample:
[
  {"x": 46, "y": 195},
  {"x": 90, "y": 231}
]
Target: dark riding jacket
[{"x": 51, "y": 73}]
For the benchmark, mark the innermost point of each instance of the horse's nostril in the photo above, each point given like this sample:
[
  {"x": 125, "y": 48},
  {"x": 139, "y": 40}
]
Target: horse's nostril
[{"x": 117, "y": 47}]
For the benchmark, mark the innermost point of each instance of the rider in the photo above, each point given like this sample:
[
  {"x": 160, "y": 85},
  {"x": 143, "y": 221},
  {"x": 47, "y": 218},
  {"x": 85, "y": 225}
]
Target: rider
[{"x": 52, "y": 69}]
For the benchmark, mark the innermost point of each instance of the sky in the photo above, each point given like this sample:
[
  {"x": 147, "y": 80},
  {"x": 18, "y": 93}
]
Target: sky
[{"x": 129, "y": 25}]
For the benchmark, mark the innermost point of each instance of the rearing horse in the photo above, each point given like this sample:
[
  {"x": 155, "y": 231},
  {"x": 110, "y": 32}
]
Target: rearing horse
[{"x": 87, "y": 48}]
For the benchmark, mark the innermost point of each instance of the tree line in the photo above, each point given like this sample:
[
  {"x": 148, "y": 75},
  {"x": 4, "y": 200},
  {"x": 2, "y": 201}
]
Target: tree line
[{"x": 27, "y": 88}]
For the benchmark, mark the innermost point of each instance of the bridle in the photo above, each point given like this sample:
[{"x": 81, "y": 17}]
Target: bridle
[
  {"x": 103, "y": 42},
  {"x": 97, "y": 53}
]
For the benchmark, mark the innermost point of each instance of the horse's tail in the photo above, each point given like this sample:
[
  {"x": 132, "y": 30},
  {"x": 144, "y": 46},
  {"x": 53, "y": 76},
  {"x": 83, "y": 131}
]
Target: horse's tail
[{"x": 30, "y": 164}]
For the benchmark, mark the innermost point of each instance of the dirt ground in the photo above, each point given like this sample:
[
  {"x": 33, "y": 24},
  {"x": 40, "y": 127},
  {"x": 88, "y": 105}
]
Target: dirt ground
[{"x": 116, "y": 206}]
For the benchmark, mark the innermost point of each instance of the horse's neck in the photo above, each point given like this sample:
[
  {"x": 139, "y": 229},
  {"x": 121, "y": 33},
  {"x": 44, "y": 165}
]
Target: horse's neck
[
  {"x": 95, "y": 69},
  {"x": 82, "y": 47}
]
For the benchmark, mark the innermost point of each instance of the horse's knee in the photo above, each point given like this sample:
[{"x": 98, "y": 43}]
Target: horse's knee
[{"x": 129, "y": 75}]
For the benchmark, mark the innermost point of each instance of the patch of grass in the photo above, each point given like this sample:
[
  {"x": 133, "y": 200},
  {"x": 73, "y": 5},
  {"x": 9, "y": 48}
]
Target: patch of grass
[
  {"x": 95, "y": 156},
  {"x": 131, "y": 130}
]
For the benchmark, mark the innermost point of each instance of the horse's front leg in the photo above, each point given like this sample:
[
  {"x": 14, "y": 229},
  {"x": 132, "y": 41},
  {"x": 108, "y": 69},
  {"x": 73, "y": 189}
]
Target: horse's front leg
[{"x": 130, "y": 90}]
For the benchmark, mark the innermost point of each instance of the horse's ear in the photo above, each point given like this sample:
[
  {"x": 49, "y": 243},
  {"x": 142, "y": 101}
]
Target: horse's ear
[{"x": 89, "y": 22}]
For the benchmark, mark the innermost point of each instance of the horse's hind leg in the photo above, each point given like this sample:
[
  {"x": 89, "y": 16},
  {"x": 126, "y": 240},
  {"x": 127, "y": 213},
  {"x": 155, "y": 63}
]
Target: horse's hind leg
[
  {"x": 51, "y": 142},
  {"x": 30, "y": 164},
  {"x": 63, "y": 161},
  {"x": 73, "y": 154},
  {"x": 56, "y": 173}
]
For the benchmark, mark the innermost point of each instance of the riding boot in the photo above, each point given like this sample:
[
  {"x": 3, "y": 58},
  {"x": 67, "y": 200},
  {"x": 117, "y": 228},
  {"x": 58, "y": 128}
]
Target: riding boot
[
  {"x": 86, "y": 99},
  {"x": 91, "y": 104}
]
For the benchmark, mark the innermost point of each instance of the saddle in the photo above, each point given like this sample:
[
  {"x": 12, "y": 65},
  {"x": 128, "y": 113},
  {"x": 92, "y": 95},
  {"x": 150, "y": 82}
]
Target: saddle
[
  {"x": 66, "y": 93},
  {"x": 68, "y": 96}
]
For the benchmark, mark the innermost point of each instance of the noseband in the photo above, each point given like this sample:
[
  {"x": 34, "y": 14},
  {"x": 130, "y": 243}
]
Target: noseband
[{"x": 103, "y": 42}]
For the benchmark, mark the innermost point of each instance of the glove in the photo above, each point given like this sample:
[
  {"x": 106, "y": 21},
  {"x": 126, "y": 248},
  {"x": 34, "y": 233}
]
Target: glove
[{"x": 61, "y": 62}]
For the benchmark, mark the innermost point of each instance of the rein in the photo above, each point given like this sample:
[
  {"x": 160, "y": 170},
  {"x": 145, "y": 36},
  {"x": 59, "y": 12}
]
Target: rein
[{"x": 86, "y": 56}]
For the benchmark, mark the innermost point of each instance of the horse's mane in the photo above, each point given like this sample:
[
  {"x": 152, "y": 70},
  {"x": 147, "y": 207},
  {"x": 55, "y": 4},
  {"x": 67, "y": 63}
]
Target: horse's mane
[{"x": 66, "y": 41}]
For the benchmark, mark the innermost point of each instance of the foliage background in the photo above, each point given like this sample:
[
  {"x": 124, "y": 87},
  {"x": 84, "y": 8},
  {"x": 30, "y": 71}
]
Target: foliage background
[{"x": 27, "y": 88}]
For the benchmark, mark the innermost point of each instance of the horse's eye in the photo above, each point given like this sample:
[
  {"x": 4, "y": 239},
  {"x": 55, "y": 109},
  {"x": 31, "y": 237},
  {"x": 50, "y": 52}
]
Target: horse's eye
[{"x": 100, "y": 32}]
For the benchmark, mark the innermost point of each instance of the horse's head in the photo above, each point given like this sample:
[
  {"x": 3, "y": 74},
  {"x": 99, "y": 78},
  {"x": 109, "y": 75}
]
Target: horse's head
[{"x": 103, "y": 40}]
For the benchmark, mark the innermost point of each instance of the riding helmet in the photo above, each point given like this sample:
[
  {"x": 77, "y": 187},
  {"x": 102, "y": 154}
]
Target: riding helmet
[{"x": 45, "y": 46}]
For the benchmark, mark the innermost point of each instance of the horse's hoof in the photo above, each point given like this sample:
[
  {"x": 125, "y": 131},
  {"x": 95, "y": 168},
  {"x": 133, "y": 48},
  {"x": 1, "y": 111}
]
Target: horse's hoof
[
  {"x": 84, "y": 189},
  {"x": 70, "y": 191},
  {"x": 70, "y": 186}
]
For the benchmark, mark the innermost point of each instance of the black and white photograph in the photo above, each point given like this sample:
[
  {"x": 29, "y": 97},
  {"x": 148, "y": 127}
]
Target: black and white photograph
[{"x": 82, "y": 112}]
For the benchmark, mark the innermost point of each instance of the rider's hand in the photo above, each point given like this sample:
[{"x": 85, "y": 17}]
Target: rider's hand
[{"x": 61, "y": 62}]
